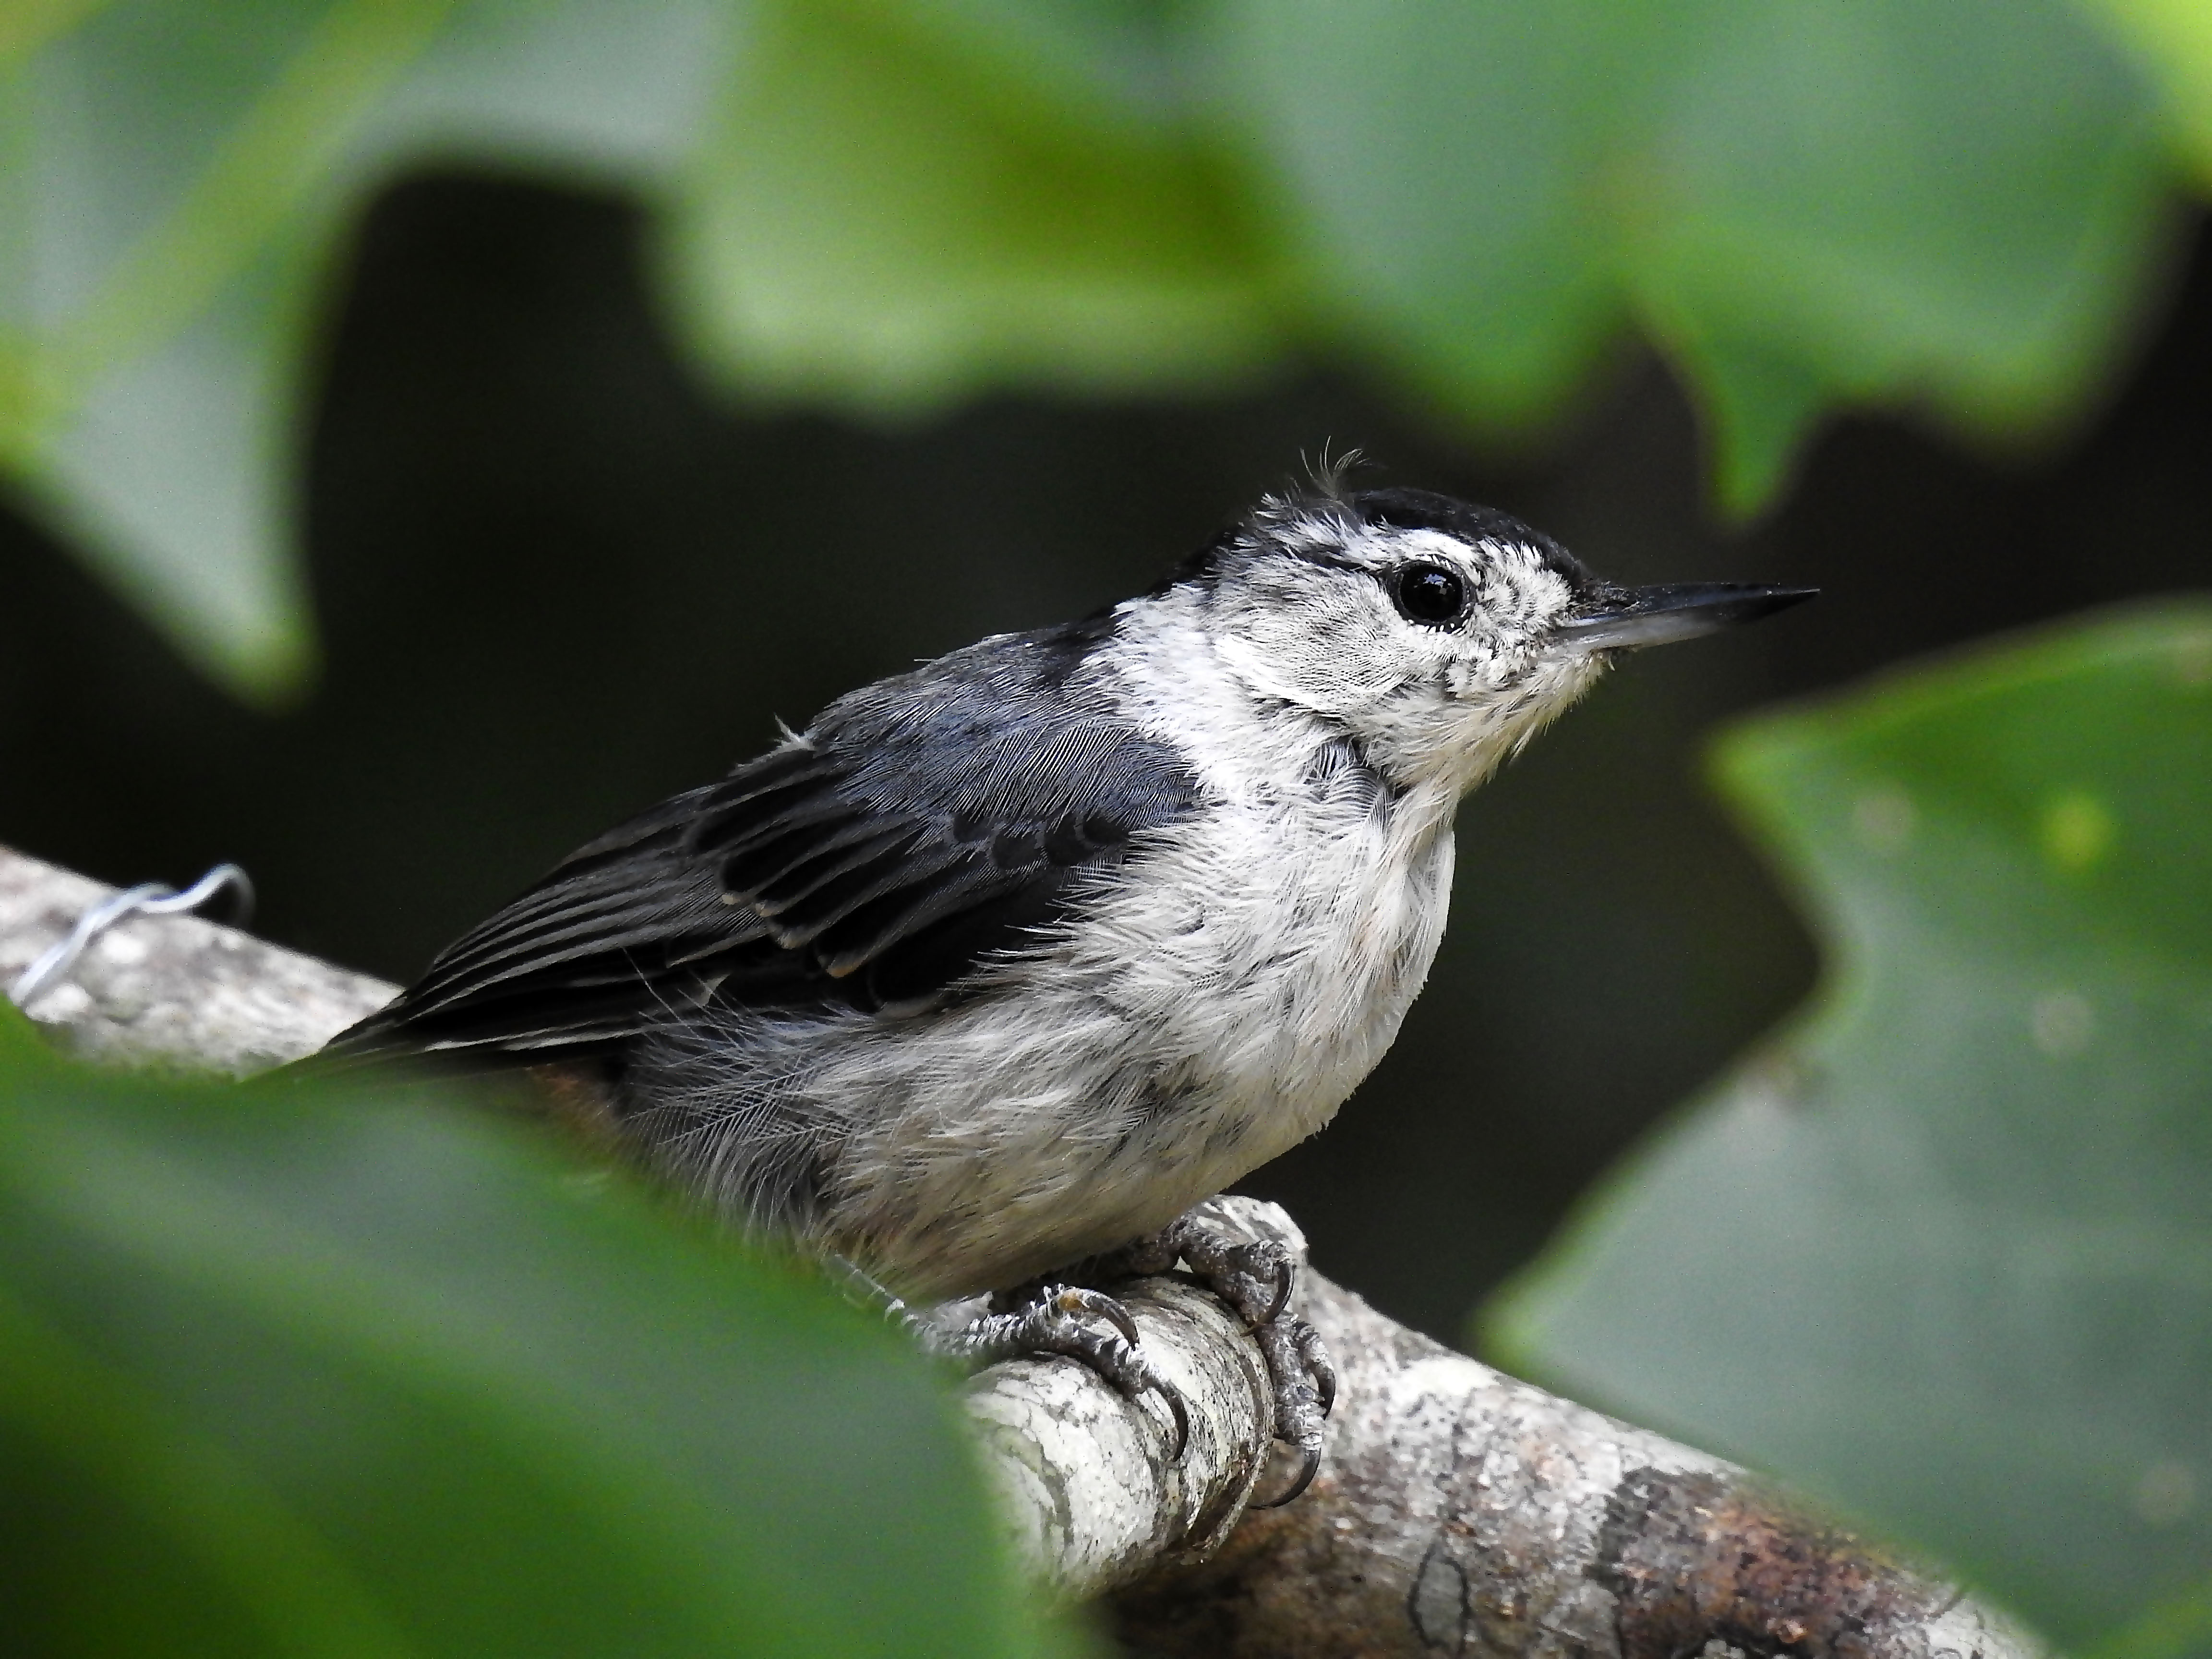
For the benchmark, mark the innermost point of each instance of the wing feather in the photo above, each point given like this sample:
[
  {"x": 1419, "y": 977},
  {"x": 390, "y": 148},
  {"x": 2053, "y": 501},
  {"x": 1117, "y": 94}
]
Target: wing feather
[{"x": 923, "y": 827}]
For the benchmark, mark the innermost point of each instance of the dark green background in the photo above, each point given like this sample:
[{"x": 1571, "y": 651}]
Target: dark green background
[{"x": 558, "y": 581}]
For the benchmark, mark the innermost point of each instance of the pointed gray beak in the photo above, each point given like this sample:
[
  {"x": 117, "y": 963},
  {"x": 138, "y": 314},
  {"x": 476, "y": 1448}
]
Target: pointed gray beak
[{"x": 1659, "y": 616}]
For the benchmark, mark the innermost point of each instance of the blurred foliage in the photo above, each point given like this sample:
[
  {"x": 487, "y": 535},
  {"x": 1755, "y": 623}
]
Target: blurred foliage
[
  {"x": 890, "y": 203},
  {"x": 1943, "y": 1253},
  {"x": 179, "y": 177},
  {"x": 19, "y": 1038},
  {"x": 1804, "y": 204},
  {"x": 290, "y": 1371},
  {"x": 895, "y": 204},
  {"x": 284, "y": 1371},
  {"x": 2172, "y": 40}
]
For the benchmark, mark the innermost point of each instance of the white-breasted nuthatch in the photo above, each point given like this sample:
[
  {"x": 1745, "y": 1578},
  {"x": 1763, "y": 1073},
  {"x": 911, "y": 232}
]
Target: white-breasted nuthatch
[{"x": 1011, "y": 961}]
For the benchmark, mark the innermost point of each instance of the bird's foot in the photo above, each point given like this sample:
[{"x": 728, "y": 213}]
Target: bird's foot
[
  {"x": 1255, "y": 1275},
  {"x": 1042, "y": 1317},
  {"x": 1083, "y": 1325}
]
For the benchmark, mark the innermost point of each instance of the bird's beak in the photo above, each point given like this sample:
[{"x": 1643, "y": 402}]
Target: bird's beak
[{"x": 1659, "y": 616}]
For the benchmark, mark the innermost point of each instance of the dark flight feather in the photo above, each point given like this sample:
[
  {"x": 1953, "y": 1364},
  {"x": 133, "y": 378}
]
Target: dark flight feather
[{"x": 923, "y": 825}]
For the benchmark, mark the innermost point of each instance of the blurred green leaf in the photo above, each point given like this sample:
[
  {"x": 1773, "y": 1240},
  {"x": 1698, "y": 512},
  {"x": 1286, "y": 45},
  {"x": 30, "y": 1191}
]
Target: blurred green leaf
[
  {"x": 19, "y": 1039},
  {"x": 1885, "y": 201},
  {"x": 1943, "y": 1254},
  {"x": 2174, "y": 40},
  {"x": 890, "y": 203},
  {"x": 176, "y": 176},
  {"x": 902, "y": 204},
  {"x": 1444, "y": 166},
  {"x": 282, "y": 1371}
]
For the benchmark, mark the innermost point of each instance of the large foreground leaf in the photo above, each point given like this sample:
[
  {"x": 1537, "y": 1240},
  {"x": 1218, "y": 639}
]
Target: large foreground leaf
[
  {"x": 19, "y": 1038},
  {"x": 1943, "y": 1254},
  {"x": 288, "y": 1375}
]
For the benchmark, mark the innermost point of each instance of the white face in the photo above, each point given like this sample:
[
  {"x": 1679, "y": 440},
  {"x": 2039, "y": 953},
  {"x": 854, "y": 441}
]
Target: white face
[{"x": 1437, "y": 653}]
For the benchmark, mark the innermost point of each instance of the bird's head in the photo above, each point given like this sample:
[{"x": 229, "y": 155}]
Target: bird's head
[{"x": 1439, "y": 636}]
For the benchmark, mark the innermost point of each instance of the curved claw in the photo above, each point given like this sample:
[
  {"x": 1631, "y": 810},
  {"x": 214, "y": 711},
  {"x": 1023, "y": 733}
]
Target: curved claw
[
  {"x": 1305, "y": 1388},
  {"x": 1287, "y": 1280},
  {"x": 1180, "y": 1410},
  {"x": 1256, "y": 1278},
  {"x": 1070, "y": 1299},
  {"x": 1315, "y": 1354},
  {"x": 1134, "y": 1374},
  {"x": 1123, "y": 1365},
  {"x": 1309, "y": 1466}
]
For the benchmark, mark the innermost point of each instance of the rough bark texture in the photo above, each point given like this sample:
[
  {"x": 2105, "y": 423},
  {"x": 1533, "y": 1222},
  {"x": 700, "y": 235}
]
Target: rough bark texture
[
  {"x": 171, "y": 990},
  {"x": 1457, "y": 1511},
  {"x": 1092, "y": 1495}
]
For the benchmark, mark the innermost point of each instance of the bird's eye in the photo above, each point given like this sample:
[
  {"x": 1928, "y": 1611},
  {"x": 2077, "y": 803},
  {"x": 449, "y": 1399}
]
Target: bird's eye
[{"x": 1429, "y": 593}]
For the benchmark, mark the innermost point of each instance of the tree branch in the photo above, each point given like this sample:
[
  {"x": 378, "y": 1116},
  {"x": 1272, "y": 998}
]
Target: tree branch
[
  {"x": 1457, "y": 1510},
  {"x": 171, "y": 991}
]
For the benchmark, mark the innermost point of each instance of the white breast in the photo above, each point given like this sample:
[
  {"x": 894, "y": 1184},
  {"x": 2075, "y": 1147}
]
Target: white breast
[
  {"x": 1168, "y": 1050},
  {"x": 1226, "y": 992}
]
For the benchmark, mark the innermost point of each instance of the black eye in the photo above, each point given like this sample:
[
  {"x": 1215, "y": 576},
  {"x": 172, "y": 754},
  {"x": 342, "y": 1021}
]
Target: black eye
[{"x": 1429, "y": 593}]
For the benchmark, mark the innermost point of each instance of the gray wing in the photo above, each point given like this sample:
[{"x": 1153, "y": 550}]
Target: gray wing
[{"x": 924, "y": 826}]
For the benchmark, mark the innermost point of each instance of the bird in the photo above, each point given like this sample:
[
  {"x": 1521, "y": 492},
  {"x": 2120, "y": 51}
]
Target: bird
[{"x": 1012, "y": 962}]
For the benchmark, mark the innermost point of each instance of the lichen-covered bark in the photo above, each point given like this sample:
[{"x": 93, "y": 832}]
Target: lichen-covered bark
[
  {"x": 1092, "y": 1494},
  {"x": 1460, "y": 1511},
  {"x": 1457, "y": 1511}
]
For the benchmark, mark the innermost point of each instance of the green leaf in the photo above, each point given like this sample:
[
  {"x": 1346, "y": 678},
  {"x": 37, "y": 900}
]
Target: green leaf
[
  {"x": 2172, "y": 1630},
  {"x": 1943, "y": 1253},
  {"x": 1950, "y": 203},
  {"x": 883, "y": 206},
  {"x": 1807, "y": 205},
  {"x": 20, "y": 1042},
  {"x": 892, "y": 205},
  {"x": 903, "y": 203},
  {"x": 285, "y": 1373},
  {"x": 1443, "y": 168},
  {"x": 177, "y": 176},
  {"x": 2172, "y": 40}
]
